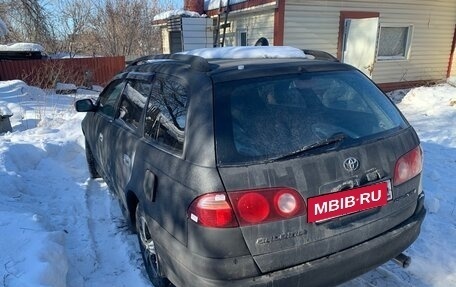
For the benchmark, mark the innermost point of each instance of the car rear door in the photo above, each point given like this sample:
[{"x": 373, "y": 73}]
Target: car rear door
[
  {"x": 320, "y": 134},
  {"x": 126, "y": 129},
  {"x": 287, "y": 242}
]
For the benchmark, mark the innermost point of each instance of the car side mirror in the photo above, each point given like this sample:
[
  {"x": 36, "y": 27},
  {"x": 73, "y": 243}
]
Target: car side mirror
[{"x": 85, "y": 105}]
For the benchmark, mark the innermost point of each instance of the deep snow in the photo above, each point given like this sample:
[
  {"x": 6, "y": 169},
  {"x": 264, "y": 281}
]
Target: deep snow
[{"x": 59, "y": 228}]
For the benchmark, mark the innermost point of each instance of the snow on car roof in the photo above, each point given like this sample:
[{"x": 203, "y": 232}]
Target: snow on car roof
[
  {"x": 22, "y": 47},
  {"x": 247, "y": 52}
]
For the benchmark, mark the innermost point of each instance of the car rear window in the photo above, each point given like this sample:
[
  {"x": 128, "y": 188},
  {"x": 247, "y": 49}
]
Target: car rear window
[{"x": 269, "y": 117}]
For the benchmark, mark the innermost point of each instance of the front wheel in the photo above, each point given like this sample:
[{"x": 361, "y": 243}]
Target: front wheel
[{"x": 148, "y": 251}]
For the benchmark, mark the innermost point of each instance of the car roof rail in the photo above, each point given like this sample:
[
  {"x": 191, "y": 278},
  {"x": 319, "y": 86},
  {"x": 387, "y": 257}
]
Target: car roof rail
[
  {"x": 196, "y": 63},
  {"x": 140, "y": 60},
  {"x": 321, "y": 55}
]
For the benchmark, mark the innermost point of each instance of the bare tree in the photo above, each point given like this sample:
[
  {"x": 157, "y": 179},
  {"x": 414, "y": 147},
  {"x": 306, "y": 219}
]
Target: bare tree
[
  {"x": 125, "y": 27},
  {"x": 28, "y": 21},
  {"x": 73, "y": 25},
  {"x": 109, "y": 27}
]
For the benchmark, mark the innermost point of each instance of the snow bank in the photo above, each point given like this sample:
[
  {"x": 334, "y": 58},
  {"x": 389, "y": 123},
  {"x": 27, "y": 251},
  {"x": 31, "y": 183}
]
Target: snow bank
[
  {"x": 431, "y": 100},
  {"x": 22, "y": 47},
  {"x": 56, "y": 226},
  {"x": 31, "y": 256},
  {"x": 430, "y": 111},
  {"x": 452, "y": 81}
]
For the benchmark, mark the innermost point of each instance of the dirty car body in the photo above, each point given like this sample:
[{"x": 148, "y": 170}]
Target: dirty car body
[{"x": 257, "y": 172}]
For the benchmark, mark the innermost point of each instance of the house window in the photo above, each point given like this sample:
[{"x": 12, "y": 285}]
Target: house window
[
  {"x": 394, "y": 43},
  {"x": 242, "y": 38}
]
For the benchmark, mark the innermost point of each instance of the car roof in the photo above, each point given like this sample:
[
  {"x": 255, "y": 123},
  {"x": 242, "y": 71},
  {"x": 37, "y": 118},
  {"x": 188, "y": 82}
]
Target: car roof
[{"x": 239, "y": 62}]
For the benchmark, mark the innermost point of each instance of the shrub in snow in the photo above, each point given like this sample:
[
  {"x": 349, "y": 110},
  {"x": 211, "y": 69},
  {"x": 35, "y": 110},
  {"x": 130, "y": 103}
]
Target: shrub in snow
[{"x": 61, "y": 88}]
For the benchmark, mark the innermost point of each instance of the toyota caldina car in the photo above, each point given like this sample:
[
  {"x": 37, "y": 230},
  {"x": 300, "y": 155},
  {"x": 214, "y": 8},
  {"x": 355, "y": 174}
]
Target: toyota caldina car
[{"x": 256, "y": 166}]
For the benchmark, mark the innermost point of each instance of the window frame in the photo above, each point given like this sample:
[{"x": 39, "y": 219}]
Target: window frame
[
  {"x": 121, "y": 83},
  {"x": 164, "y": 147},
  {"x": 132, "y": 127},
  {"x": 408, "y": 43}
]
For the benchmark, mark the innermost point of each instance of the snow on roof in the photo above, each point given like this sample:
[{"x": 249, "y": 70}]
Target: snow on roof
[
  {"x": 248, "y": 52},
  {"x": 22, "y": 47},
  {"x": 215, "y": 4},
  {"x": 177, "y": 12}
]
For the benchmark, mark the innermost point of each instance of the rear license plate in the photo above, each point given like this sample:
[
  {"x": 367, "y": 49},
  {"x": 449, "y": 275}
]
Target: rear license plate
[{"x": 345, "y": 202}]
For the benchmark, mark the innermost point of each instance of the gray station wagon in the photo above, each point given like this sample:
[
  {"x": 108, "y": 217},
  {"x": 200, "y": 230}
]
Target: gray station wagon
[{"x": 256, "y": 166}]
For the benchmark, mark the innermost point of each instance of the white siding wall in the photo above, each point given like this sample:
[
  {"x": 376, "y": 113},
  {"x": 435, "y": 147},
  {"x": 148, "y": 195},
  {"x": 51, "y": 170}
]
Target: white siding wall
[
  {"x": 315, "y": 25},
  {"x": 197, "y": 33},
  {"x": 260, "y": 24}
]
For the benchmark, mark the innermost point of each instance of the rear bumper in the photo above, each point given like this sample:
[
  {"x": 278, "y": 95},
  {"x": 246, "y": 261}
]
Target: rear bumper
[{"x": 326, "y": 271}]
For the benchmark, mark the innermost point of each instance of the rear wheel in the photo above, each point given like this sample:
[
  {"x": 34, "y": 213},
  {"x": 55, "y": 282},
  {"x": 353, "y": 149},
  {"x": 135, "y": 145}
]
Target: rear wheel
[
  {"x": 91, "y": 163},
  {"x": 148, "y": 251}
]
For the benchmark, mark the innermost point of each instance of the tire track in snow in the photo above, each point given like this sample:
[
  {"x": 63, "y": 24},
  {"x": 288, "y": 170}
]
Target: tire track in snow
[
  {"x": 113, "y": 258},
  {"x": 382, "y": 276}
]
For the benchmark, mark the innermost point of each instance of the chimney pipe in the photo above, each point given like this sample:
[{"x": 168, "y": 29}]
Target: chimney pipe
[{"x": 194, "y": 5}]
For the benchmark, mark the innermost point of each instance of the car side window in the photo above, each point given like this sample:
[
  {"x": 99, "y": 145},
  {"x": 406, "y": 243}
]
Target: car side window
[
  {"x": 133, "y": 101},
  {"x": 108, "y": 98},
  {"x": 166, "y": 114}
]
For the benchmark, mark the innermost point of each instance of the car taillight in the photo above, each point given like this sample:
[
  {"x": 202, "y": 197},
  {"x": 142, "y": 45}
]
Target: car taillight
[
  {"x": 212, "y": 210},
  {"x": 266, "y": 205},
  {"x": 408, "y": 166},
  {"x": 248, "y": 207}
]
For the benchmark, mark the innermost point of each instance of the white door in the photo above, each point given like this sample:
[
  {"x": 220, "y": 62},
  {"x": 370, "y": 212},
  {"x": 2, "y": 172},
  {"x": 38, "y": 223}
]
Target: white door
[{"x": 360, "y": 41}]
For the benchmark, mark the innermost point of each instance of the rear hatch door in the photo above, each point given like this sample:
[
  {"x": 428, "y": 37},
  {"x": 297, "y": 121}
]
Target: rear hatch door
[{"x": 307, "y": 131}]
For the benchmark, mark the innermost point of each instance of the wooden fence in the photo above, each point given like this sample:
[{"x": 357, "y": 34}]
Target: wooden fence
[{"x": 46, "y": 73}]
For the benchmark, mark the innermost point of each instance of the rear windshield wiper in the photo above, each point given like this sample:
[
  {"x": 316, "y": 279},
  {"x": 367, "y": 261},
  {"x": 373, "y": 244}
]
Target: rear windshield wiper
[{"x": 335, "y": 138}]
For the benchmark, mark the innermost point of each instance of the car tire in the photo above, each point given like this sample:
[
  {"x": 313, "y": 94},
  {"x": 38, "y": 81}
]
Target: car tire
[
  {"x": 129, "y": 221},
  {"x": 148, "y": 251},
  {"x": 91, "y": 163}
]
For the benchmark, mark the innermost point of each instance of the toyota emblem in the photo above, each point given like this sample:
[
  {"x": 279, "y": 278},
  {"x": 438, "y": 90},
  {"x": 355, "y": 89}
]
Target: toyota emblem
[{"x": 351, "y": 164}]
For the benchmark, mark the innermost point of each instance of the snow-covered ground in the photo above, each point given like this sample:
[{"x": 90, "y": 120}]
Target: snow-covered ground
[{"x": 59, "y": 228}]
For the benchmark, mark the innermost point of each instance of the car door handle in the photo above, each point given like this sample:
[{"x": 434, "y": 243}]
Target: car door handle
[
  {"x": 126, "y": 160},
  {"x": 100, "y": 138}
]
